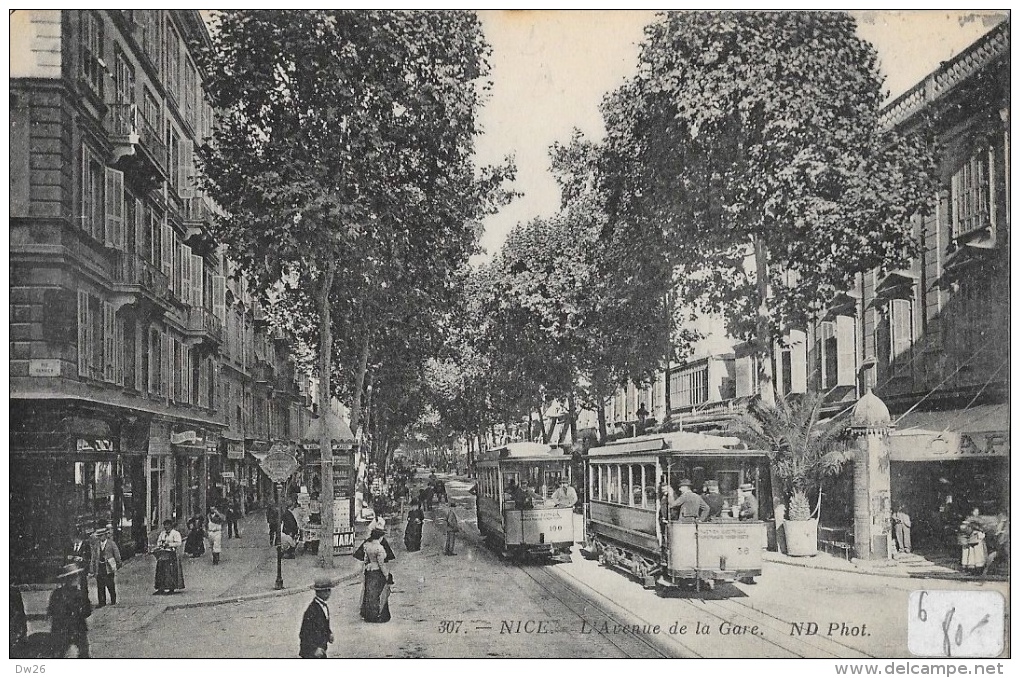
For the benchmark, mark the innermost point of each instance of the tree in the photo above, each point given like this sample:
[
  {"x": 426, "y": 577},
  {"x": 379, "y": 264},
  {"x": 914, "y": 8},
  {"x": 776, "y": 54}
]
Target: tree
[
  {"x": 752, "y": 140},
  {"x": 342, "y": 156}
]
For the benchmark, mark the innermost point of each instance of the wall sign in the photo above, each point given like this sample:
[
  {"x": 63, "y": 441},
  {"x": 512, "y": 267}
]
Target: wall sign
[{"x": 44, "y": 368}]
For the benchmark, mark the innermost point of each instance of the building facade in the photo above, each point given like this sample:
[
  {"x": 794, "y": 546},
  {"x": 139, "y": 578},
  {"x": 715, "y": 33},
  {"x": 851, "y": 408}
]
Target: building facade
[
  {"x": 140, "y": 375},
  {"x": 931, "y": 339}
]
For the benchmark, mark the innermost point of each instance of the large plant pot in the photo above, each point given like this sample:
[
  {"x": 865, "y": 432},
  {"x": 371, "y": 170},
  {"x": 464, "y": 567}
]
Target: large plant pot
[{"x": 801, "y": 537}]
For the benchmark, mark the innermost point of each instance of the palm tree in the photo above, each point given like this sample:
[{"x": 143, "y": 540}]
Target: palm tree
[{"x": 804, "y": 450}]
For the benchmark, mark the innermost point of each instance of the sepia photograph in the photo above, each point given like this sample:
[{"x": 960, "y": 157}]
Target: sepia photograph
[{"x": 510, "y": 334}]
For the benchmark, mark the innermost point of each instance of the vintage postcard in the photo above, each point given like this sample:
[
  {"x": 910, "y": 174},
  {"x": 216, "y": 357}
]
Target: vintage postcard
[{"x": 510, "y": 334}]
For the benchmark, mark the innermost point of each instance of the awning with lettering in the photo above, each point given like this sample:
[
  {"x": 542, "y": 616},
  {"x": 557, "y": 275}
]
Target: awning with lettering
[{"x": 978, "y": 432}]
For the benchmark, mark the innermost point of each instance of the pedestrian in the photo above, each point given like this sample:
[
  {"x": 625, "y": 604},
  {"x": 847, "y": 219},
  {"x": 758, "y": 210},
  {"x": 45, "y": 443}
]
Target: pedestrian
[
  {"x": 375, "y": 606},
  {"x": 291, "y": 529},
  {"x": 233, "y": 515},
  {"x": 194, "y": 546},
  {"x": 81, "y": 554},
  {"x": 441, "y": 491},
  {"x": 273, "y": 518},
  {"x": 216, "y": 520},
  {"x": 105, "y": 563},
  {"x": 68, "y": 609},
  {"x": 974, "y": 552},
  {"x": 901, "y": 529},
  {"x": 169, "y": 570},
  {"x": 315, "y": 632},
  {"x": 425, "y": 497},
  {"x": 749, "y": 506},
  {"x": 412, "y": 533},
  {"x": 452, "y": 528}
]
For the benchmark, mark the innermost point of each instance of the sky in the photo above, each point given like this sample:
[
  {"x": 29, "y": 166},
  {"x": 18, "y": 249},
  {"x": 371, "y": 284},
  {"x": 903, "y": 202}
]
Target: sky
[{"x": 550, "y": 70}]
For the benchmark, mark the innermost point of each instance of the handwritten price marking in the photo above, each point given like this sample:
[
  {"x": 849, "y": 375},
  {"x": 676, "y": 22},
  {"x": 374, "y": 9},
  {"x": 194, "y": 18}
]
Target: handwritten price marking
[{"x": 956, "y": 623}]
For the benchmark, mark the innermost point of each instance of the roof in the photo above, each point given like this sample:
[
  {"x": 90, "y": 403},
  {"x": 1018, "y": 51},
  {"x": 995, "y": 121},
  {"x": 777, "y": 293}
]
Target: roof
[
  {"x": 522, "y": 451},
  {"x": 338, "y": 429},
  {"x": 678, "y": 441}
]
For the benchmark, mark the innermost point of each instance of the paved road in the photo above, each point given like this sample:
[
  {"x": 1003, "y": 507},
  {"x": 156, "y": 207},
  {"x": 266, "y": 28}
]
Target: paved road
[{"x": 477, "y": 605}]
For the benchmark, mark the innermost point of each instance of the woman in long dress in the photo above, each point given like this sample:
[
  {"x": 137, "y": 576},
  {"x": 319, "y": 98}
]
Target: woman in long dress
[
  {"x": 169, "y": 573},
  {"x": 194, "y": 546},
  {"x": 375, "y": 606},
  {"x": 412, "y": 533}
]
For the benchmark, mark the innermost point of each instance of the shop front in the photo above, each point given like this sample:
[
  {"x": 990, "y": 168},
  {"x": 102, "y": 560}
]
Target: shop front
[
  {"x": 188, "y": 445},
  {"x": 946, "y": 464},
  {"x": 72, "y": 471}
]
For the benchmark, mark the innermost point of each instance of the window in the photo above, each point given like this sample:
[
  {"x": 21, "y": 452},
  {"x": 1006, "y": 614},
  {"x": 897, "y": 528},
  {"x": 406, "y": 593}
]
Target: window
[
  {"x": 90, "y": 54},
  {"x": 150, "y": 109},
  {"x": 837, "y": 342},
  {"x": 901, "y": 333},
  {"x": 155, "y": 361},
  {"x": 192, "y": 95},
  {"x": 173, "y": 61},
  {"x": 173, "y": 155},
  {"x": 123, "y": 79},
  {"x": 93, "y": 176},
  {"x": 99, "y": 339},
  {"x": 689, "y": 386},
  {"x": 970, "y": 195},
  {"x": 149, "y": 21}
]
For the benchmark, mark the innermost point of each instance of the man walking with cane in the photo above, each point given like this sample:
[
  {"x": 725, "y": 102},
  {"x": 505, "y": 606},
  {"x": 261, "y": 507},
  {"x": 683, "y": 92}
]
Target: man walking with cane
[{"x": 452, "y": 528}]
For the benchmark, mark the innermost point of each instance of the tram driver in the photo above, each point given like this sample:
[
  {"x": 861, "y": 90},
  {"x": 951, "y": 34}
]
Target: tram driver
[
  {"x": 688, "y": 506},
  {"x": 565, "y": 496}
]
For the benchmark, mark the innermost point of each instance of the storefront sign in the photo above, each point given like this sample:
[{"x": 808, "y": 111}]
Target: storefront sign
[
  {"x": 228, "y": 475},
  {"x": 235, "y": 449},
  {"x": 44, "y": 368},
  {"x": 186, "y": 438},
  {"x": 279, "y": 466},
  {"x": 932, "y": 446},
  {"x": 94, "y": 445},
  {"x": 343, "y": 542}
]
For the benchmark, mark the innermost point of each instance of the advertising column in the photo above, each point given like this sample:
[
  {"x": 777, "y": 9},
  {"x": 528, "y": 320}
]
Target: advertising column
[{"x": 343, "y": 501}]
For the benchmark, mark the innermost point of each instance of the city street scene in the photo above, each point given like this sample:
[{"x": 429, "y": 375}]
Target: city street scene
[{"x": 367, "y": 334}]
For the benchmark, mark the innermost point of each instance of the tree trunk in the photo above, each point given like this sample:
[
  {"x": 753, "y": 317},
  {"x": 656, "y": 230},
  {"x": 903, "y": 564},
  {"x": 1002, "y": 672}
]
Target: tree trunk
[
  {"x": 602, "y": 418},
  {"x": 766, "y": 381},
  {"x": 325, "y": 444},
  {"x": 359, "y": 381},
  {"x": 572, "y": 416}
]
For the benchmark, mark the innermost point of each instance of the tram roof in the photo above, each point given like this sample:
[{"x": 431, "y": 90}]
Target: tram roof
[
  {"x": 522, "y": 452},
  {"x": 677, "y": 441}
]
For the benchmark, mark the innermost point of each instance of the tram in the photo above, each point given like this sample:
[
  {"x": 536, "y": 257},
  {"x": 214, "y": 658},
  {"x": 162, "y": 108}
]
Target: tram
[
  {"x": 628, "y": 522},
  {"x": 537, "y": 528}
]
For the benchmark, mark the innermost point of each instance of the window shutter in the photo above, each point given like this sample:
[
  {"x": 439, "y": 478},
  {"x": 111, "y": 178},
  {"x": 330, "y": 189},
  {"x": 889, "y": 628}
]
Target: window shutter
[
  {"x": 184, "y": 263},
  {"x": 846, "y": 350},
  {"x": 175, "y": 252},
  {"x": 166, "y": 233},
  {"x": 186, "y": 176},
  {"x": 742, "y": 369},
  {"x": 901, "y": 321},
  {"x": 186, "y": 372},
  {"x": 109, "y": 342},
  {"x": 139, "y": 347},
  {"x": 164, "y": 340},
  {"x": 197, "y": 281},
  {"x": 114, "y": 232},
  {"x": 118, "y": 352},
  {"x": 83, "y": 341},
  {"x": 139, "y": 227},
  {"x": 798, "y": 361},
  {"x": 219, "y": 297}
]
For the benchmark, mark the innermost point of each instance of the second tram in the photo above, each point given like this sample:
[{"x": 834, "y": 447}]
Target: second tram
[
  {"x": 629, "y": 524},
  {"x": 519, "y": 522}
]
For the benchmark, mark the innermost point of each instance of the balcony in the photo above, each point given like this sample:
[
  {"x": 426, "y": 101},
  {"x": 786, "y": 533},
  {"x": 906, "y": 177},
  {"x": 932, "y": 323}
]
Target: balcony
[
  {"x": 204, "y": 326},
  {"x": 142, "y": 282},
  {"x": 138, "y": 148}
]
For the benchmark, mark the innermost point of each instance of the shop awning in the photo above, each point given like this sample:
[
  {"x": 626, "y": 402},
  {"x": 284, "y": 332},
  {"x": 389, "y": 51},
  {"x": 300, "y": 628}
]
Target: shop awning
[{"x": 948, "y": 435}]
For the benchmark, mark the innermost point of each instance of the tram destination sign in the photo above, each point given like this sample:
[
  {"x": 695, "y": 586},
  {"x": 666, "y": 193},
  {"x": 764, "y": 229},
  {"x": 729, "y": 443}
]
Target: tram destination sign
[{"x": 279, "y": 466}]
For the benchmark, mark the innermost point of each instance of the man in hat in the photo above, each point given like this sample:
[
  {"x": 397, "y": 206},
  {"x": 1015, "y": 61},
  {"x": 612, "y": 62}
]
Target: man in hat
[
  {"x": 688, "y": 506},
  {"x": 105, "y": 563},
  {"x": 565, "y": 496},
  {"x": 713, "y": 498},
  {"x": 749, "y": 504},
  {"x": 68, "y": 608},
  {"x": 452, "y": 528},
  {"x": 315, "y": 632}
]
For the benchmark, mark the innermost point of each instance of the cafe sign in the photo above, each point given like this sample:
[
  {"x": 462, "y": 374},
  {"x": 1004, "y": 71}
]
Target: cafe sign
[
  {"x": 94, "y": 445},
  {"x": 187, "y": 438},
  {"x": 279, "y": 466},
  {"x": 948, "y": 446}
]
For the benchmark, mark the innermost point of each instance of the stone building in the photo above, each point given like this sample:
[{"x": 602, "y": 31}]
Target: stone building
[{"x": 140, "y": 375}]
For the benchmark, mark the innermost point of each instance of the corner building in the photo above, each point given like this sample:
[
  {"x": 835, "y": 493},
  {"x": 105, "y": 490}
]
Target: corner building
[{"x": 118, "y": 294}]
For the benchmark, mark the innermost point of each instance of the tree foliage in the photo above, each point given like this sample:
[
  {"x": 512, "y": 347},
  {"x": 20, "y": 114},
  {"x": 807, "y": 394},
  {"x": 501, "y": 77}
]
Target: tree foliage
[{"x": 745, "y": 128}]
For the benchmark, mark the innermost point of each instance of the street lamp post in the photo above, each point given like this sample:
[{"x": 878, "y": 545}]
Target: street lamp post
[{"x": 279, "y": 545}]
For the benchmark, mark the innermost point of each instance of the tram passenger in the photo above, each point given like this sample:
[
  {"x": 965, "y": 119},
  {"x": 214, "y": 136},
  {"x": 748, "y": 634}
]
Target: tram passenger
[
  {"x": 688, "y": 506},
  {"x": 565, "y": 496},
  {"x": 713, "y": 499},
  {"x": 749, "y": 505}
]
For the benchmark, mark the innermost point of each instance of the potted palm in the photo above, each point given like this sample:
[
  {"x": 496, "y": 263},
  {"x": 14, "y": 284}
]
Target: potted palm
[{"x": 805, "y": 451}]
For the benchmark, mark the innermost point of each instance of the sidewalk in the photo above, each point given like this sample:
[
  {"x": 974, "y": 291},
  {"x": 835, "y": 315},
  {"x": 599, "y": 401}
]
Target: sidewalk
[
  {"x": 247, "y": 570},
  {"x": 912, "y": 569}
]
